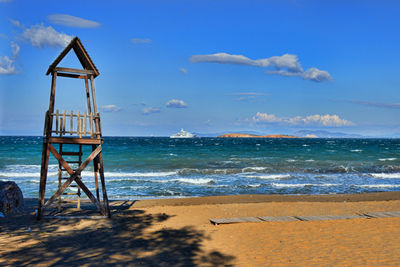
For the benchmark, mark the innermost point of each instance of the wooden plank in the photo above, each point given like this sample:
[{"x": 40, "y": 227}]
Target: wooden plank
[
  {"x": 382, "y": 214},
  {"x": 328, "y": 217},
  {"x": 234, "y": 220},
  {"x": 75, "y": 70},
  {"x": 70, "y": 75},
  {"x": 73, "y": 175},
  {"x": 71, "y": 120},
  {"x": 71, "y": 140},
  {"x": 278, "y": 218},
  {"x": 57, "y": 119}
]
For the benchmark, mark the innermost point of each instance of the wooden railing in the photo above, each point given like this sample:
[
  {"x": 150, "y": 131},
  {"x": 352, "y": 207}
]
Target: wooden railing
[{"x": 79, "y": 124}]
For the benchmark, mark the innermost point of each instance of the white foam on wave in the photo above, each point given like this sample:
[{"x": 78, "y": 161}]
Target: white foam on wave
[
  {"x": 254, "y": 185},
  {"x": 290, "y": 160},
  {"x": 356, "y": 150},
  {"x": 385, "y": 175},
  {"x": 26, "y": 174},
  {"x": 299, "y": 185},
  {"x": 378, "y": 185},
  {"x": 192, "y": 181},
  {"x": 387, "y": 159},
  {"x": 269, "y": 176},
  {"x": 135, "y": 174},
  {"x": 247, "y": 169},
  {"x": 309, "y": 160}
]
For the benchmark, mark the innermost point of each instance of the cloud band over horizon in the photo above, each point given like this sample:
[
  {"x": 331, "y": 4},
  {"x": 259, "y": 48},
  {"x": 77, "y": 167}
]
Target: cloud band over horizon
[{"x": 285, "y": 65}]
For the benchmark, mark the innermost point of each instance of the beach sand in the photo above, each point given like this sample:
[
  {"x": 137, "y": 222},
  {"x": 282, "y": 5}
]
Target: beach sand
[{"x": 177, "y": 232}]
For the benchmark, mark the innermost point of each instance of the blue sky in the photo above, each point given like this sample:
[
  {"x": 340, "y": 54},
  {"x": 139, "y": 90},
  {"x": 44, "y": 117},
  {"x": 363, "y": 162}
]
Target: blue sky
[{"x": 274, "y": 67}]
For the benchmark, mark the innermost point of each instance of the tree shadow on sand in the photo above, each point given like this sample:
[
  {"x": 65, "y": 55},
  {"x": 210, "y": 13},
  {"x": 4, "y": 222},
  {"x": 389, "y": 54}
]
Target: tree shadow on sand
[{"x": 124, "y": 240}]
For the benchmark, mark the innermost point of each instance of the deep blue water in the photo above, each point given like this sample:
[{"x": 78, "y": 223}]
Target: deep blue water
[{"x": 138, "y": 167}]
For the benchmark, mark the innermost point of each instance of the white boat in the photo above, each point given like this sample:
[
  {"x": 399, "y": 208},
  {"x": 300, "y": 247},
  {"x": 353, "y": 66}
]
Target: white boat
[{"x": 183, "y": 134}]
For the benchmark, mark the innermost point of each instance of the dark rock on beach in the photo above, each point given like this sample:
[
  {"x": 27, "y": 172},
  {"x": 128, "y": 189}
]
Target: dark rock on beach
[{"x": 11, "y": 198}]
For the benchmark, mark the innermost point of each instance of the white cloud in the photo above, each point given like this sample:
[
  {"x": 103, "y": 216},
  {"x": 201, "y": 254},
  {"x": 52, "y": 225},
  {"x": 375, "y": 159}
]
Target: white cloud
[
  {"x": 312, "y": 74},
  {"x": 42, "y": 36},
  {"x": 175, "y": 103},
  {"x": 290, "y": 64},
  {"x": 141, "y": 40},
  {"x": 7, "y": 64},
  {"x": 110, "y": 108},
  {"x": 183, "y": 70},
  {"x": 150, "y": 110},
  {"x": 72, "y": 21},
  {"x": 312, "y": 120}
]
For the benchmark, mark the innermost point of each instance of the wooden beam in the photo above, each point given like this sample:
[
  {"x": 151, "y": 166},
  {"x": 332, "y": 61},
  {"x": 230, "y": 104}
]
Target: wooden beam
[
  {"x": 93, "y": 95},
  {"x": 43, "y": 177},
  {"x": 70, "y": 75},
  {"x": 73, "y": 176},
  {"x": 103, "y": 184},
  {"x": 71, "y": 140},
  {"x": 75, "y": 70},
  {"x": 91, "y": 197}
]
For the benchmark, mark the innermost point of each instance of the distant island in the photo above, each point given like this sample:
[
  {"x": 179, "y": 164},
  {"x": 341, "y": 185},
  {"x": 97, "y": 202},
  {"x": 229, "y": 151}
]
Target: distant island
[{"x": 242, "y": 135}]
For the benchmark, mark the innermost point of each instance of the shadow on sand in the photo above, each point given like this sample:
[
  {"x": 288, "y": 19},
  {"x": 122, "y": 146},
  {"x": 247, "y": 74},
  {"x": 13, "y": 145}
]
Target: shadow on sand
[{"x": 126, "y": 239}]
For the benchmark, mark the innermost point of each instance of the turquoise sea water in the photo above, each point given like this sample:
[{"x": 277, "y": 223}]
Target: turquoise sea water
[{"x": 138, "y": 167}]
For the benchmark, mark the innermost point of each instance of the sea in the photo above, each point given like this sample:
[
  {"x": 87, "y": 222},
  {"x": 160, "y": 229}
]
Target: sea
[{"x": 161, "y": 167}]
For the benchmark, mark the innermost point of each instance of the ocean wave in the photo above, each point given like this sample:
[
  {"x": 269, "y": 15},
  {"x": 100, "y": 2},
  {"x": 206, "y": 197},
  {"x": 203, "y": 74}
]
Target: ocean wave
[
  {"x": 254, "y": 169},
  {"x": 300, "y": 185},
  {"x": 378, "y": 185},
  {"x": 385, "y": 175},
  {"x": 26, "y": 174},
  {"x": 253, "y": 185},
  {"x": 387, "y": 159},
  {"x": 193, "y": 181},
  {"x": 270, "y": 176},
  {"x": 137, "y": 174},
  {"x": 356, "y": 150}
]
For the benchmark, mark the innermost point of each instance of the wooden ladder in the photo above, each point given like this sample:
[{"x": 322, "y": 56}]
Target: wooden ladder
[{"x": 63, "y": 174}]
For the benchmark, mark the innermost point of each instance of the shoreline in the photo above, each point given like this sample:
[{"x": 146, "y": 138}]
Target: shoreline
[
  {"x": 249, "y": 198},
  {"x": 178, "y": 232}
]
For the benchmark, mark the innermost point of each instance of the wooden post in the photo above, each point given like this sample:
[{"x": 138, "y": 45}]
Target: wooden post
[
  {"x": 87, "y": 94},
  {"x": 103, "y": 185},
  {"x": 45, "y": 149},
  {"x": 95, "y": 170},
  {"x": 43, "y": 177},
  {"x": 59, "y": 177},
  {"x": 52, "y": 102}
]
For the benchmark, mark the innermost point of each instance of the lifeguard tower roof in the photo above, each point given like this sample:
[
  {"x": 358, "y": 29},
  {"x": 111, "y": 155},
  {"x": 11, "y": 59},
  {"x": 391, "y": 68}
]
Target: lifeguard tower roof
[{"x": 80, "y": 52}]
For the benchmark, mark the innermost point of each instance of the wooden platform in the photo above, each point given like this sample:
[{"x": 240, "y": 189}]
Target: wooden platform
[
  {"x": 369, "y": 215},
  {"x": 71, "y": 140}
]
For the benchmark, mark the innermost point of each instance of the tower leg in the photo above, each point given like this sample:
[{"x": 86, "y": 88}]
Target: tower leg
[
  {"x": 59, "y": 179},
  {"x": 43, "y": 178},
  {"x": 96, "y": 169},
  {"x": 103, "y": 185}
]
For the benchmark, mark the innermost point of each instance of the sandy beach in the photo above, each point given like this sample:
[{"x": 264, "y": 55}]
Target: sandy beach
[{"x": 177, "y": 232}]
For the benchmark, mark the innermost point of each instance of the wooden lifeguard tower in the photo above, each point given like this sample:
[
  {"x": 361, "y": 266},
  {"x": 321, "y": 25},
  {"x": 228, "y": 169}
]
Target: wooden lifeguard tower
[{"x": 75, "y": 130}]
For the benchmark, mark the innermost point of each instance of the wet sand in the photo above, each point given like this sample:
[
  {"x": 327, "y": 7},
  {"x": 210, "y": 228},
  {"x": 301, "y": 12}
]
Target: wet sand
[{"x": 177, "y": 232}]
